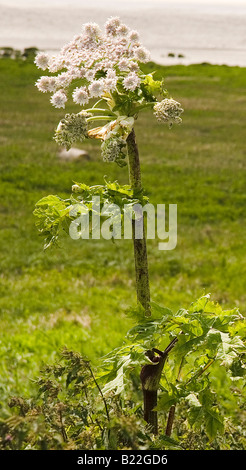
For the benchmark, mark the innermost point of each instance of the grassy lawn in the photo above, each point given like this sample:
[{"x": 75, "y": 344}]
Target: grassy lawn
[{"x": 76, "y": 295}]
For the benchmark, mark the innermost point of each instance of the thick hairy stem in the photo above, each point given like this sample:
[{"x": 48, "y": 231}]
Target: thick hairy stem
[
  {"x": 151, "y": 373},
  {"x": 150, "y": 416},
  {"x": 150, "y": 377},
  {"x": 140, "y": 248}
]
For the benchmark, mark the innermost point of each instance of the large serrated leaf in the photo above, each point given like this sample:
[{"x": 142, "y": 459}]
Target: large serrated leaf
[{"x": 213, "y": 423}]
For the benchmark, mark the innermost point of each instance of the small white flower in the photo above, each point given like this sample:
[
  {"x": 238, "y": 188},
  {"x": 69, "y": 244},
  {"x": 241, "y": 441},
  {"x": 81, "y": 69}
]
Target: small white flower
[
  {"x": 131, "y": 81},
  {"x": 110, "y": 84},
  {"x": 64, "y": 79},
  {"x": 111, "y": 25},
  {"x": 56, "y": 63},
  {"x": 133, "y": 36},
  {"x": 107, "y": 65},
  {"x": 81, "y": 72},
  {"x": 45, "y": 84},
  {"x": 80, "y": 96},
  {"x": 96, "y": 88},
  {"x": 111, "y": 74},
  {"x": 90, "y": 75},
  {"x": 59, "y": 99},
  {"x": 42, "y": 60},
  {"x": 92, "y": 30},
  {"x": 124, "y": 65},
  {"x": 134, "y": 67},
  {"x": 142, "y": 54},
  {"x": 123, "y": 30}
]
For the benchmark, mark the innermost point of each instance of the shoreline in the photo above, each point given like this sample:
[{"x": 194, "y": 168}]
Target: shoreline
[
  {"x": 171, "y": 63},
  {"x": 211, "y": 34}
]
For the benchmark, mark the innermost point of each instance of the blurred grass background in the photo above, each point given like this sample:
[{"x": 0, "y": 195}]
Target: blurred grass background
[{"x": 77, "y": 295}]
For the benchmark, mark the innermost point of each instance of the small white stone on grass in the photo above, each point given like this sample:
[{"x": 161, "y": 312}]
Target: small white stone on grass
[{"x": 73, "y": 154}]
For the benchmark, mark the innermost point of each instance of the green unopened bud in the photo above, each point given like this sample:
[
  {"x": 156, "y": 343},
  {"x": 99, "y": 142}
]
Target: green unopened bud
[
  {"x": 169, "y": 111},
  {"x": 72, "y": 128},
  {"x": 112, "y": 150}
]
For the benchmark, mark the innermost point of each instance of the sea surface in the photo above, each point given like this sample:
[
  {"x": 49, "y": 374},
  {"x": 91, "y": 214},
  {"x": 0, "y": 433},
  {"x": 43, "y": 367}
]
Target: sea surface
[{"x": 212, "y": 31}]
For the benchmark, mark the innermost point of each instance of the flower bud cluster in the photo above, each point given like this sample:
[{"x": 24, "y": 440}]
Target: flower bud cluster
[
  {"x": 72, "y": 128},
  {"x": 169, "y": 111},
  {"x": 113, "y": 150}
]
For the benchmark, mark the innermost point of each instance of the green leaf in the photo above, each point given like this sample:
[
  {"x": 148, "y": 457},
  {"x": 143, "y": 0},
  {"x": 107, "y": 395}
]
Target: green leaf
[
  {"x": 152, "y": 88},
  {"x": 117, "y": 384},
  {"x": 144, "y": 332},
  {"x": 213, "y": 340},
  {"x": 190, "y": 345},
  {"x": 166, "y": 442},
  {"x": 213, "y": 422},
  {"x": 51, "y": 213},
  {"x": 200, "y": 304},
  {"x": 195, "y": 417},
  {"x": 166, "y": 401},
  {"x": 238, "y": 369},
  {"x": 160, "y": 313}
]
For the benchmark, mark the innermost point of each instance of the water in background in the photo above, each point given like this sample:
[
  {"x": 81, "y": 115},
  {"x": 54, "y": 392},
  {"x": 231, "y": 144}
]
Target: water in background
[{"x": 211, "y": 32}]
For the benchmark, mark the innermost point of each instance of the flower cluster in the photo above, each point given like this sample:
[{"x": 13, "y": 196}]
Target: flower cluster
[
  {"x": 99, "y": 60},
  {"x": 72, "y": 128},
  {"x": 105, "y": 65},
  {"x": 169, "y": 111},
  {"x": 113, "y": 150}
]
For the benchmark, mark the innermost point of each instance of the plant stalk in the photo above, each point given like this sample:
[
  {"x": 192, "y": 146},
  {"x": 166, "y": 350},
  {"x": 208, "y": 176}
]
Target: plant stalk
[
  {"x": 140, "y": 248},
  {"x": 170, "y": 421},
  {"x": 150, "y": 376},
  {"x": 171, "y": 413}
]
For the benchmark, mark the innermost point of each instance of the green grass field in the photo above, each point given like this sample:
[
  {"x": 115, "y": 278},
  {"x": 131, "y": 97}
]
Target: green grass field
[{"x": 76, "y": 295}]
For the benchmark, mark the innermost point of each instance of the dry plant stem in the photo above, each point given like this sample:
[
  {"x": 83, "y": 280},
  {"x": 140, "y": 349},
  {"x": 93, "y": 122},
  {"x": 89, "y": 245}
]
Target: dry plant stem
[
  {"x": 100, "y": 391},
  {"x": 140, "y": 248},
  {"x": 170, "y": 421},
  {"x": 171, "y": 414},
  {"x": 63, "y": 431}
]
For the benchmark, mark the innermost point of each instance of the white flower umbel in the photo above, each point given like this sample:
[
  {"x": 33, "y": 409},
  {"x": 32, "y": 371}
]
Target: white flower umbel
[
  {"x": 131, "y": 81},
  {"x": 134, "y": 36},
  {"x": 92, "y": 30},
  {"x": 105, "y": 65},
  {"x": 169, "y": 111},
  {"x": 96, "y": 88},
  {"x": 124, "y": 65},
  {"x": 142, "y": 54},
  {"x": 59, "y": 99},
  {"x": 46, "y": 84},
  {"x": 111, "y": 25},
  {"x": 98, "y": 59},
  {"x": 80, "y": 95},
  {"x": 42, "y": 60}
]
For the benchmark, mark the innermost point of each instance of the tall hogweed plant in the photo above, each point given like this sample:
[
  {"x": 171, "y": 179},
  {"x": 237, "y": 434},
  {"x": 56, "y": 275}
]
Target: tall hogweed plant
[{"x": 166, "y": 368}]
